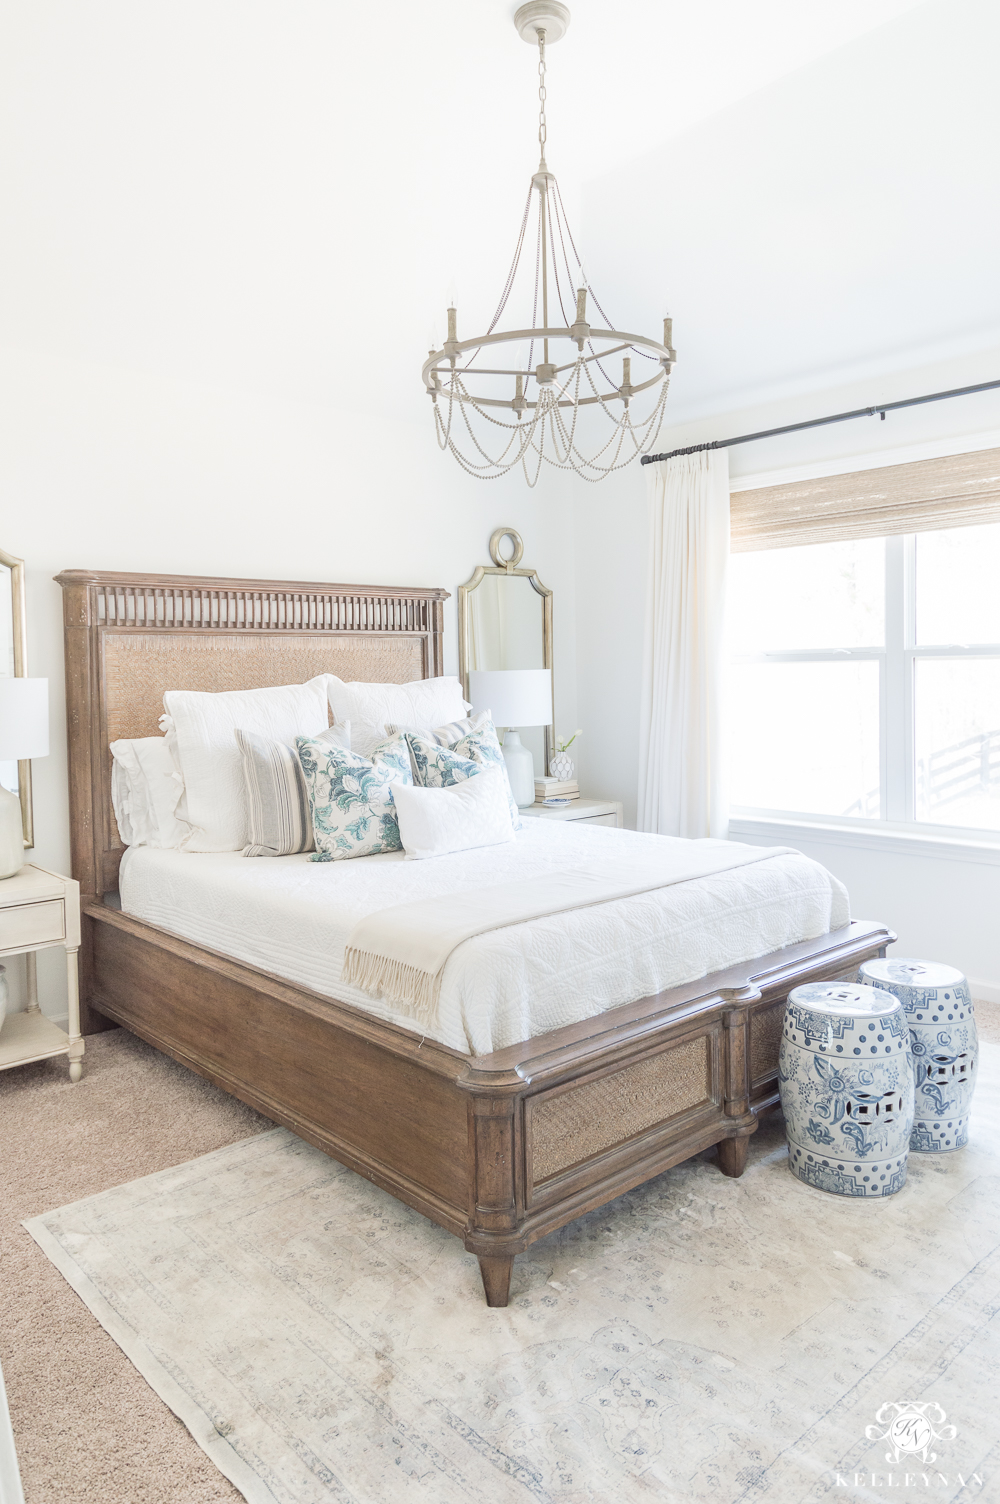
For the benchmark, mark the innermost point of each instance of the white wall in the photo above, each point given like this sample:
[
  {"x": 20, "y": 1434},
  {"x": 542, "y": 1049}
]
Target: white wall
[
  {"x": 231, "y": 226},
  {"x": 116, "y": 470}
]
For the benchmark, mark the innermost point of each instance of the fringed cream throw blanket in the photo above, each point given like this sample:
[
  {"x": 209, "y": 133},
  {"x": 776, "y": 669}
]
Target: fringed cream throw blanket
[{"x": 400, "y": 953}]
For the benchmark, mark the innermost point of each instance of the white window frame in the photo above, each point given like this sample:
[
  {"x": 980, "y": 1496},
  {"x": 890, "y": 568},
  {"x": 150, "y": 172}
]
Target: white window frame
[{"x": 897, "y": 662}]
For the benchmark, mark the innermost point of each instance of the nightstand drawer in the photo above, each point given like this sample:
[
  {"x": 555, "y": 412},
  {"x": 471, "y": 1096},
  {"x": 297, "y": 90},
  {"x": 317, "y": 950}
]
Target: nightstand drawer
[
  {"x": 611, "y": 820},
  {"x": 32, "y": 924}
]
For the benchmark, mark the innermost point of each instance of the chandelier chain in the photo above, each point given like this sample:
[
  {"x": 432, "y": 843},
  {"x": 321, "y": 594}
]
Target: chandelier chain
[{"x": 542, "y": 94}]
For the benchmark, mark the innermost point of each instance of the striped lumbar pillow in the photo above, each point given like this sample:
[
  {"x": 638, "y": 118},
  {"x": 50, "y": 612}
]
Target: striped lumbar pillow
[
  {"x": 279, "y": 820},
  {"x": 442, "y": 736}
]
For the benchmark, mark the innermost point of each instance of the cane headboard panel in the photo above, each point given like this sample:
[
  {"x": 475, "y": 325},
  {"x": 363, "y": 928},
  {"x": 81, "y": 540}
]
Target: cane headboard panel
[{"x": 131, "y": 637}]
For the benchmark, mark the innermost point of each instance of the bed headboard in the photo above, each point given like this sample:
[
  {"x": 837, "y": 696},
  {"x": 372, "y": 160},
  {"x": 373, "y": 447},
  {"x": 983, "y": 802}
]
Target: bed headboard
[{"x": 129, "y": 637}]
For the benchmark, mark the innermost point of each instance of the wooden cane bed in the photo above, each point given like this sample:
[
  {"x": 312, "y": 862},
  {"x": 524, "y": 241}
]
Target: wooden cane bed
[{"x": 499, "y": 1149}]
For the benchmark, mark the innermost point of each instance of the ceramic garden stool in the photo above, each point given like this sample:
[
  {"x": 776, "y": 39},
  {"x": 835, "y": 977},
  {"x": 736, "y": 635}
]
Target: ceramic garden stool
[
  {"x": 943, "y": 1043},
  {"x": 846, "y": 1088}
]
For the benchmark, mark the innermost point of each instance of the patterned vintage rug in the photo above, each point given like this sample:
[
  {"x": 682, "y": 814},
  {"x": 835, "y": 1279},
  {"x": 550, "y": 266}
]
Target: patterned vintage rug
[{"x": 700, "y": 1339}]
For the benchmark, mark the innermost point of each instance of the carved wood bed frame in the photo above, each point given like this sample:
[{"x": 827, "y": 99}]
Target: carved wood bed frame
[{"x": 500, "y": 1149}]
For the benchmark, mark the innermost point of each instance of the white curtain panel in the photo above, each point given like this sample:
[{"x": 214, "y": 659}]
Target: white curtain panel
[{"x": 682, "y": 746}]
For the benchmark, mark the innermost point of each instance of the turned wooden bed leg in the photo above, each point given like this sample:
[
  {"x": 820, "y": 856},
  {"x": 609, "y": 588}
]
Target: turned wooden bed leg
[
  {"x": 733, "y": 1155},
  {"x": 496, "y": 1278}
]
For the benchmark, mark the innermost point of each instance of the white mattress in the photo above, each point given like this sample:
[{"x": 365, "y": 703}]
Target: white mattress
[{"x": 292, "y": 916}]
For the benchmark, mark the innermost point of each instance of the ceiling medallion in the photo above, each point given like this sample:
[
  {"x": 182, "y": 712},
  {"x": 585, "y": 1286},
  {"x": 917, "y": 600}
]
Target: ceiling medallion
[{"x": 544, "y": 382}]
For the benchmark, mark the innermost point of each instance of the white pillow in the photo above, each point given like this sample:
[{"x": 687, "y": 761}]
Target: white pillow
[
  {"x": 201, "y": 731},
  {"x": 368, "y": 707},
  {"x": 433, "y": 822},
  {"x": 145, "y": 791}
]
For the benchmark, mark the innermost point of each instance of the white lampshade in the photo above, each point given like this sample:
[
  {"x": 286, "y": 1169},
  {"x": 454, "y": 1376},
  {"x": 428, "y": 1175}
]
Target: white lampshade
[
  {"x": 514, "y": 696},
  {"x": 24, "y": 718}
]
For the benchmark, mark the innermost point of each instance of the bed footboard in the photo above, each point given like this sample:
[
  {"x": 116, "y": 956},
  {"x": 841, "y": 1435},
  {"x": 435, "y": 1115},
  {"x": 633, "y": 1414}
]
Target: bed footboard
[{"x": 500, "y": 1149}]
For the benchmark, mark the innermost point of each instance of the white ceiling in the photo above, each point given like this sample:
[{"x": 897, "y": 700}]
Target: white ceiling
[
  {"x": 842, "y": 224},
  {"x": 275, "y": 194},
  {"x": 630, "y": 74}
]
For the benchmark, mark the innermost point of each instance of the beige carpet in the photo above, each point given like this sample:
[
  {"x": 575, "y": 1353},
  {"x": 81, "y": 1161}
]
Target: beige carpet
[{"x": 86, "y": 1424}]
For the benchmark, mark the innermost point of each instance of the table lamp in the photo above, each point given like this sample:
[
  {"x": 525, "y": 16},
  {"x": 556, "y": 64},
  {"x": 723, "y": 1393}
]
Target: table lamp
[
  {"x": 24, "y": 732},
  {"x": 515, "y": 697}
]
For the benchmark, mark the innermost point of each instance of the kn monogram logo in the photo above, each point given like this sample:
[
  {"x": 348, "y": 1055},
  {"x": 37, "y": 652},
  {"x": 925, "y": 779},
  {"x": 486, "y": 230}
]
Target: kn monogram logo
[{"x": 912, "y": 1429}]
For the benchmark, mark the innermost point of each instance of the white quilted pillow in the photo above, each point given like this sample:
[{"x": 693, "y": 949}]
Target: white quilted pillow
[
  {"x": 433, "y": 822},
  {"x": 200, "y": 729},
  {"x": 368, "y": 707}
]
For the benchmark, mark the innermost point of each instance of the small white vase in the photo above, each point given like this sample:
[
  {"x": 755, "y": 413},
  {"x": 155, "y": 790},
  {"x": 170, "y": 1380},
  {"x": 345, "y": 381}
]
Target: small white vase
[
  {"x": 561, "y": 766},
  {"x": 11, "y": 834},
  {"x": 520, "y": 769}
]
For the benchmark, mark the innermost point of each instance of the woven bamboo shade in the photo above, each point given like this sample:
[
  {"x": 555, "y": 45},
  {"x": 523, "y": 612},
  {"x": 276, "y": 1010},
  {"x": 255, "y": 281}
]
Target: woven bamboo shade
[{"x": 959, "y": 490}]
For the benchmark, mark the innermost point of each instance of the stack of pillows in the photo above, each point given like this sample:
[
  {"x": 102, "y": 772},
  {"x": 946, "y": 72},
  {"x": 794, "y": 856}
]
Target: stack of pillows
[{"x": 263, "y": 772}]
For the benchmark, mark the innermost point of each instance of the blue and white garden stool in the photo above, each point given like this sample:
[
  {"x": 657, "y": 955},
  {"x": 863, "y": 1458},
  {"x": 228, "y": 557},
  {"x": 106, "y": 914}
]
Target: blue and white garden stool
[
  {"x": 944, "y": 1045},
  {"x": 846, "y": 1088}
]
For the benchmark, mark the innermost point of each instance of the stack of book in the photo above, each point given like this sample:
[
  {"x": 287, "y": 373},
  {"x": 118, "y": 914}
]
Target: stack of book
[{"x": 556, "y": 791}]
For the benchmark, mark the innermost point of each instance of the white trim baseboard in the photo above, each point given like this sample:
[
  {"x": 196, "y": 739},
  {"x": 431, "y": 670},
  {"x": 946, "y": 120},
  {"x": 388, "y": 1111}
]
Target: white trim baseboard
[{"x": 984, "y": 992}]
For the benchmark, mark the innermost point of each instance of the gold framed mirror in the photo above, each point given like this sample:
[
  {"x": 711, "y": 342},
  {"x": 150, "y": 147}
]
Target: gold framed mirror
[
  {"x": 505, "y": 622},
  {"x": 15, "y": 776}
]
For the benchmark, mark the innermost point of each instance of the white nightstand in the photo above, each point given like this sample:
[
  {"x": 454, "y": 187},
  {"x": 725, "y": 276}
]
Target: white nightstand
[
  {"x": 38, "y": 910},
  {"x": 590, "y": 811}
]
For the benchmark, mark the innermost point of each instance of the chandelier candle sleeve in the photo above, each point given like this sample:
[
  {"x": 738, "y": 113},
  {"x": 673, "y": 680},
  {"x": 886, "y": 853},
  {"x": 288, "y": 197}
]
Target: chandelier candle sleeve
[{"x": 494, "y": 410}]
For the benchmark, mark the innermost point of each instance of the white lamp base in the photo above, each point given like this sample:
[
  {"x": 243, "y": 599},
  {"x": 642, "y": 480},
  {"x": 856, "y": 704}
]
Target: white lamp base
[
  {"x": 520, "y": 769},
  {"x": 11, "y": 835}
]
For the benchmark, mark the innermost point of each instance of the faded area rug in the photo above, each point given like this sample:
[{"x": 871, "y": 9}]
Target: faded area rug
[{"x": 700, "y": 1339}]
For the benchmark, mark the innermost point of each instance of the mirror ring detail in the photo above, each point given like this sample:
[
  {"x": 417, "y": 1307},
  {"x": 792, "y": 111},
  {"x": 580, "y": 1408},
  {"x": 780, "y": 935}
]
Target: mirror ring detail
[{"x": 495, "y": 554}]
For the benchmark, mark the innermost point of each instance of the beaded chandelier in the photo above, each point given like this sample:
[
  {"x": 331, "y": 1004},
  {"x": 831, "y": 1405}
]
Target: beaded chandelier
[{"x": 527, "y": 399}]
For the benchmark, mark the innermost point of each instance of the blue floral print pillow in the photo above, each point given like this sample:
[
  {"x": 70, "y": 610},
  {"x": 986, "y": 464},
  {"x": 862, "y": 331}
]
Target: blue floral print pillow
[
  {"x": 438, "y": 767},
  {"x": 351, "y": 797}
]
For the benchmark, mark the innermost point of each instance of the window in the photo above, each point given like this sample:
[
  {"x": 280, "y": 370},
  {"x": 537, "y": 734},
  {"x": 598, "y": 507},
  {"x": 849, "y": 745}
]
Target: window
[{"x": 866, "y": 679}]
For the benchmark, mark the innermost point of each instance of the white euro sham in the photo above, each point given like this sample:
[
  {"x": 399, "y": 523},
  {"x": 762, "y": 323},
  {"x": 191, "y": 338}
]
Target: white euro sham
[
  {"x": 201, "y": 730},
  {"x": 369, "y": 707}
]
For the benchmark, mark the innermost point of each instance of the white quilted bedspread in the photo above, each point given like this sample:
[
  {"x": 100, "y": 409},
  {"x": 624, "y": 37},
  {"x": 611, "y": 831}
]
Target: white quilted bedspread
[{"x": 292, "y": 916}]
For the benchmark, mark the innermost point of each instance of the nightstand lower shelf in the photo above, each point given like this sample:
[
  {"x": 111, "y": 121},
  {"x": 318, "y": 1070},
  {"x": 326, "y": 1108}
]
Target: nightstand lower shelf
[{"x": 30, "y": 1036}]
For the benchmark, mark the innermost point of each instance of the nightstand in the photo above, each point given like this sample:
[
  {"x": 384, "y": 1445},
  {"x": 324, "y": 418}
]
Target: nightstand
[
  {"x": 590, "y": 811},
  {"x": 38, "y": 910}
]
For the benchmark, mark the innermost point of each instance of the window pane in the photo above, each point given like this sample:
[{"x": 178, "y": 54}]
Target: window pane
[
  {"x": 957, "y": 597},
  {"x": 806, "y": 737},
  {"x": 958, "y": 741},
  {"x": 826, "y": 595}
]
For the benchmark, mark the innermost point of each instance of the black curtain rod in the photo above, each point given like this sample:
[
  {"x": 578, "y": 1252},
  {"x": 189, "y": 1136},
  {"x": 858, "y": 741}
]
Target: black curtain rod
[{"x": 860, "y": 412}]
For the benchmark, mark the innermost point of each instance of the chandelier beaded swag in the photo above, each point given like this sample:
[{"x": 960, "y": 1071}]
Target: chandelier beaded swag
[{"x": 543, "y": 394}]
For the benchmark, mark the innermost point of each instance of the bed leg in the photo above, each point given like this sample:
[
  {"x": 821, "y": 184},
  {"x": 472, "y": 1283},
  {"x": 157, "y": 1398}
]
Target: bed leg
[
  {"x": 496, "y": 1278},
  {"x": 733, "y": 1155}
]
